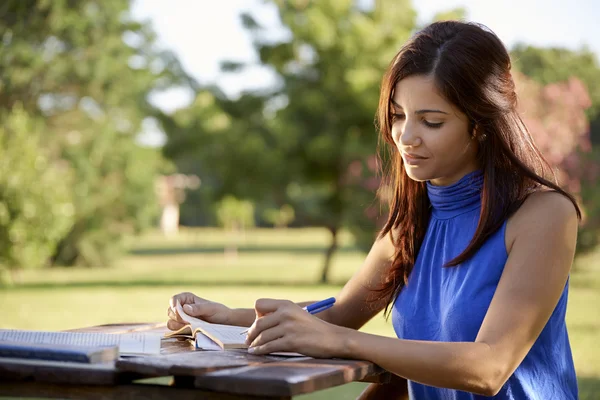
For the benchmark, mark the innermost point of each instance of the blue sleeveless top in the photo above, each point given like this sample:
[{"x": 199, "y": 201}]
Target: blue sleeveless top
[{"x": 449, "y": 303}]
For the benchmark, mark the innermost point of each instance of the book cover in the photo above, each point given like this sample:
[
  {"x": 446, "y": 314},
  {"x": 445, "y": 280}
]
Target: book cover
[{"x": 55, "y": 352}]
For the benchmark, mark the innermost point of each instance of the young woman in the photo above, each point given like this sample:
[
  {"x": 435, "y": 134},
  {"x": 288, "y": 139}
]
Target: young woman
[{"x": 474, "y": 260}]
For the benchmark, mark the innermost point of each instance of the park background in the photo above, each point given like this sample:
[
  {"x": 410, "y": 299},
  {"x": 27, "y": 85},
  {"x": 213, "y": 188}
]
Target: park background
[{"x": 228, "y": 149}]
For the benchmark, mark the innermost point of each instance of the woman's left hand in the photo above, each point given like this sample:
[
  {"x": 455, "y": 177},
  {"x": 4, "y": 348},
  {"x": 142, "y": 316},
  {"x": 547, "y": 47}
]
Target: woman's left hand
[{"x": 282, "y": 325}]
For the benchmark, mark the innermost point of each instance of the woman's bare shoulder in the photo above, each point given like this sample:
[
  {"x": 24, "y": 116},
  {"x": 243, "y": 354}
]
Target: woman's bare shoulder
[{"x": 541, "y": 210}]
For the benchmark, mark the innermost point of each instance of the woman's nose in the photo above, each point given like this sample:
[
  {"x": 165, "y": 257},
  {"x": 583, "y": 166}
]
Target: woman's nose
[{"x": 409, "y": 136}]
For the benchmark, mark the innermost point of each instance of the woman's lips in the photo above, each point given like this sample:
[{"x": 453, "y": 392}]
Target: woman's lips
[{"x": 413, "y": 159}]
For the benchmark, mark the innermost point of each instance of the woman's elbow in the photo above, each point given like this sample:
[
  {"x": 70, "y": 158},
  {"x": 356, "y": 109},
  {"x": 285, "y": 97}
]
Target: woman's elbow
[
  {"x": 489, "y": 376},
  {"x": 485, "y": 387},
  {"x": 493, "y": 382}
]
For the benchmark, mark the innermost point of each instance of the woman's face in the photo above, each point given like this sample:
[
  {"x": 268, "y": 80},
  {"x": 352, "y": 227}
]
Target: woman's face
[{"x": 431, "y": 134}]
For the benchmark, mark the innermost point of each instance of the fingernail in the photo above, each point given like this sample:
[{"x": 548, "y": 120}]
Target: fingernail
[
  {"x": 187, "y": 308},
  {"x": 251, "y": 350}
]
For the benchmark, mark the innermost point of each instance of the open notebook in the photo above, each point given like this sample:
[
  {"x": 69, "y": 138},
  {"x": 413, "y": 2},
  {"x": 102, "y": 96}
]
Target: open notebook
[{"x": 223, "y": 336}]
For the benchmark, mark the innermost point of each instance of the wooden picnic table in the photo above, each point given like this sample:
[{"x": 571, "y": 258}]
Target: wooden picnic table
[{"x": 224, "y": 375}]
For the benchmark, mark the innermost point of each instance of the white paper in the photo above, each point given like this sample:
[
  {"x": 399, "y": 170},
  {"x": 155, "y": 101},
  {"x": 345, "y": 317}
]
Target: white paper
[
  {"x": 205, "y": 343},
  {"x": 228, "y": 334},
  {"x": 129, "y": 343}
]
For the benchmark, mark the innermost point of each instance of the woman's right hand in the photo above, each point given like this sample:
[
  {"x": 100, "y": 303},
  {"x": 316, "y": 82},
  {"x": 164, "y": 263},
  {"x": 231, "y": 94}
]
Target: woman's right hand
[{"x": 198, "y": 307}]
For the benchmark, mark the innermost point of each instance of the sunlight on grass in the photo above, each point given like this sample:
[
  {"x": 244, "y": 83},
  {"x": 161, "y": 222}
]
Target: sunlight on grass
[{"x": 274, "y": 264}]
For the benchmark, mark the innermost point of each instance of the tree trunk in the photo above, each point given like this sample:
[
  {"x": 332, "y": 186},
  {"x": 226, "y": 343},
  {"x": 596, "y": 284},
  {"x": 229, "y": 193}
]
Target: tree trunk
[{"x": 329, "y": 254}]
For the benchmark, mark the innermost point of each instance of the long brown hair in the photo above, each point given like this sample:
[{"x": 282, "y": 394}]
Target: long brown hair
[{"x": 471, "y": 69}]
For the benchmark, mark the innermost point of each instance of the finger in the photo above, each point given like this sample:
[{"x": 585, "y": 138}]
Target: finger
[
  {"x": 202, "y": 309},
  {"x": 183, "y": 298},
  {"x": 268, "y": 335},
  {"x": 173, "y": 315},
  {"x": 174, "y": 325},
  {"x": 266, "y": 306},
  {"x": 281, "y": 344},
  {"x": 261, "y": 324}
]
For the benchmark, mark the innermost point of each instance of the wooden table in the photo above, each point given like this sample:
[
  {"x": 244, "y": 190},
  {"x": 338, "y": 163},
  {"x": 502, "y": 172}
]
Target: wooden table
[{"x": 232, "y": 374}]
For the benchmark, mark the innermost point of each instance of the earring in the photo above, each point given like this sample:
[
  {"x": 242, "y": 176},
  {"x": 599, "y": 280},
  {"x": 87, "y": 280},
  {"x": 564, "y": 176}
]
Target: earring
[{"x": 481, "y": 137}]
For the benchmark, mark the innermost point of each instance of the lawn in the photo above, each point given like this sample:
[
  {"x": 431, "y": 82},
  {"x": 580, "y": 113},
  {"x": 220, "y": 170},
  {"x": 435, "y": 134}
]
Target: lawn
[{"x": 270, "y": 263}]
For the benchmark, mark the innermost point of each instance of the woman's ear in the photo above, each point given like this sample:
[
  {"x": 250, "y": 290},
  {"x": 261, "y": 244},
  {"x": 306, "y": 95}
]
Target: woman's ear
[
  {"x": 474, "y": 128},
  {"x": 478, "y": 134}
]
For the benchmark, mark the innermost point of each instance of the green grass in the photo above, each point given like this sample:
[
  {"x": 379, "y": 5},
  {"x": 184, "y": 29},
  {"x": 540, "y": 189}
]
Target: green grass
[{"x": 277, "y": 264}]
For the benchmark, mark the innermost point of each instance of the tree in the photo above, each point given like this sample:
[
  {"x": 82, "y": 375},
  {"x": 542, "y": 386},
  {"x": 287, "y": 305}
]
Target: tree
[
  {"x": 555, "y": 115},
  {"x": 555, "y": 64},
  {"x": 330, "y": 69},
  {"x": 85, "y": 69},
  {"x": 36, "y": 208},
  {"x": 235, "y": 215},
  {"x": 231, "y": 146},
  {"x": 455, "y": 14},
  {"x": 551, "y": 66},
  {"x": 279, "y": 217}
]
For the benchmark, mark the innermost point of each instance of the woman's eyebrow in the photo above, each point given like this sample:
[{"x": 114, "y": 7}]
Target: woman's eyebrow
[{"x": 424, "y": 111}]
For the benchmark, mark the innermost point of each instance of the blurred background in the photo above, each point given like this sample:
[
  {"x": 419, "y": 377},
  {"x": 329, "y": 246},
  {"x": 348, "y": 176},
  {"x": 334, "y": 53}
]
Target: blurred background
[{"x": 228, "y": 148}]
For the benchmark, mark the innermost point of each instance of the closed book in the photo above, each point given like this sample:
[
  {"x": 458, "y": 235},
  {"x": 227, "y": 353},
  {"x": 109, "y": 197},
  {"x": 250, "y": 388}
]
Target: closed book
[
  {"x": 136, "y": 343},
  {"x": 56, "y": 352}
]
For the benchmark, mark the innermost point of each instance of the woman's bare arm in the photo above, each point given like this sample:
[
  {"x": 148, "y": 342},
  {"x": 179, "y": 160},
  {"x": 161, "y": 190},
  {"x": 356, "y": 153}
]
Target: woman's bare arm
[
  {"x": 353, "y": 307},
  {"x": 532, "y": 282}
]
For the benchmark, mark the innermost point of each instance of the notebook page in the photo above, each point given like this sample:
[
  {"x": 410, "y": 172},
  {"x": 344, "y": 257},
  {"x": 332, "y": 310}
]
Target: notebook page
[
  {"x": 129, "y": 343},
  {"x": 204, "y": 343}
]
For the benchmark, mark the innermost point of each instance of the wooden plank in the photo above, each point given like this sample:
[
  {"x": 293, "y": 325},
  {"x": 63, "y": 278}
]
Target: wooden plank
[
  {"x": 191, "y": 362},
  {"x": 287, "y": 378},
  {"x": 12, "y": 369},
  {"x": 127, "y": 392},
  {"x": 176, "y": 346},
  {"x": 381, "y": 378}
]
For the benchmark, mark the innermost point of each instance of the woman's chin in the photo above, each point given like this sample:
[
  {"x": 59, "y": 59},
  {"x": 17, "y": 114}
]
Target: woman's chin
[{"x": 417, "y": 174}]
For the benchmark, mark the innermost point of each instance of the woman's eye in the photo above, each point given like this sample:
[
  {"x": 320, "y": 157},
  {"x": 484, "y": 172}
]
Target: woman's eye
[
  {"x": 397, "y": 117},
  {"x": 433, "y": 124}
]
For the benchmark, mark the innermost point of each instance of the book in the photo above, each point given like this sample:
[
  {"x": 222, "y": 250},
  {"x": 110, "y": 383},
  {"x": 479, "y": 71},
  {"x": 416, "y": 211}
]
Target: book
[
  {"x": 55, "y": 352},
  {"x": 127, "y": 343},
  {"x": 213, "y": 337},
  {"x": 224, "y": 336}
]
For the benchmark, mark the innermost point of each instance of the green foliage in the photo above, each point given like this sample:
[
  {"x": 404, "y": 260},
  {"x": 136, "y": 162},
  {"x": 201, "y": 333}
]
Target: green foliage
[
  {"x": 280, "y": 217},
  {"x": 294, "y": 144},
  {"x": 331, "y": 68},
  {"x": 234, "y": 214},
  {"x": 113, "y": 196},
  {"x": 457, "y": 14},
  {"x": 36, "y": 208},
  {"x": 86, "y": 69}
]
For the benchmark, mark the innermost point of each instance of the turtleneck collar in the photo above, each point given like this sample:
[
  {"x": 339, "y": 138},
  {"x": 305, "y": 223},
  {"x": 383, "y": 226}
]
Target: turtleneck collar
[{"x": 458, "y": 198}]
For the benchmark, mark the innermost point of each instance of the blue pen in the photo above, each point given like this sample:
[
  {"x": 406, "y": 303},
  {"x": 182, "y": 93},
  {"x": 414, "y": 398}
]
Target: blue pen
[
  {"x": 320, "y": 305},
  {"x": 313, "y": 308}
]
